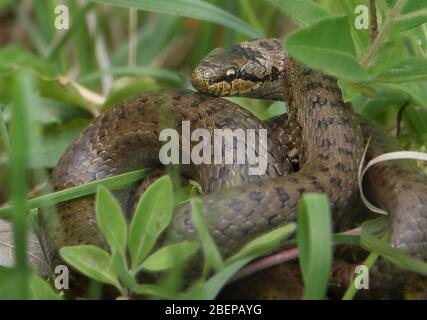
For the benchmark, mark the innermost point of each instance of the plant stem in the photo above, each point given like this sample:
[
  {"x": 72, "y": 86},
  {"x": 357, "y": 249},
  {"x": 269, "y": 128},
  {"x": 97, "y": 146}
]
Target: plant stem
[
  {"x": 373, "y": 25},
  {"x": 133, "y": 37},
  {"x": 376, "y": 45}
]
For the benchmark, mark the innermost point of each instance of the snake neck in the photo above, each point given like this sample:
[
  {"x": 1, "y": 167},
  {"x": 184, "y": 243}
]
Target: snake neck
[
  {"x": 317, "y": 112},
  {"x": 330, "y": 144}
]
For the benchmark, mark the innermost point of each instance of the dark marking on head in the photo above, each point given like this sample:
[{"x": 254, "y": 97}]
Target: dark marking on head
[{"x": 266, "y": 45}]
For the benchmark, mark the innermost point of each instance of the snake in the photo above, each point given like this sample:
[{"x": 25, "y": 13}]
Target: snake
[{"x": 328, "y": 137}]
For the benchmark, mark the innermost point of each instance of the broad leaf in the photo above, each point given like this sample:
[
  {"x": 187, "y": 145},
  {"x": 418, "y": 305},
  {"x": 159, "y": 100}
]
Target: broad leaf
[
  {"x": 410, "y": 69},
  {"x": 302, "y": 12},
  {"x": 111, "y": 220},
  {"x": 152, "y": 215},
  {"x": 414, "y": 13},
  {"x": 321, "y": 47},
  {"x": 169, "y": 256},
  {"x": 91, "y": 261},
  {"x": 41, "y": 290}
]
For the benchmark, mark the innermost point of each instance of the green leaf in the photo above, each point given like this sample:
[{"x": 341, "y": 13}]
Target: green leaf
[
  {"x": 41, "y": 290},
  {"x": 152, "y": 215},
  {"x": 111, "y": 220},
  {"x": 389, "y": 53},
  {"x": 212, "y": 255},
  {"x": 38, "y": 288},
  {"x": 321, "y": 47},
  {"x": 315, "y": 244},
  {"x": 416, "y": 120},
  {"x": 410, "y": 69},
  {"x": 302, "y": 12},
  {"x": 188, "y": 8},
  {"x": 169, "y": 256},
  {"x": 412, "y": 14},
  {"x": 92, "y": 261},
  {"x": 14, "y": 57},
  {"x": 360, "y": 36},
  {"x": 264, "y": 244}
]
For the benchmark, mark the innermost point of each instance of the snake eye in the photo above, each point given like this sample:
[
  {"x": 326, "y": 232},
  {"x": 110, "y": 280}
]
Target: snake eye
[{"x": 230, "y": 73}]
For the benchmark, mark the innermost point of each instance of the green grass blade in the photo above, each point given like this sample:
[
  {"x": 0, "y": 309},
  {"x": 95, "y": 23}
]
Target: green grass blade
[
  {"x": 398, "y": 257},
  {"x": 56, "y": 47},
  {"x": 315, "y": 244},
  {"x": 20, "y": 133},
  {"x": 162, "y": 74},
  {"x": 188, "y": 8},
  {"x": 32, "y": 29},
  {"x": 113, "y": 183},
  {"x": 45, "y": 15},
  {"x": 264, "y": 244},
  {"x": 212, "y": 255},
  {"x": 214, "y": 285}
]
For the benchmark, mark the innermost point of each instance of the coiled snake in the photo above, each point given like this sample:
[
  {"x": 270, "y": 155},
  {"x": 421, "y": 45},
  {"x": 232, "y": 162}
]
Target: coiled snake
[{"x": 325, "y": 131}]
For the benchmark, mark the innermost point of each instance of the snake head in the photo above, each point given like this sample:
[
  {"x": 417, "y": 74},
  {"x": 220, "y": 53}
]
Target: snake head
[{"x": 249, "y": 69}]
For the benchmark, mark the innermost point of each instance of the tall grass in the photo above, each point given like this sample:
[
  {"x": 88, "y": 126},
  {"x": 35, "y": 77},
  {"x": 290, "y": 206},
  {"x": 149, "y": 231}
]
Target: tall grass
[{"x": 20, "y": 132}]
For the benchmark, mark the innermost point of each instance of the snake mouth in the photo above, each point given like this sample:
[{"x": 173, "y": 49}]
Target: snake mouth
[{"x": 220, "y": 87}]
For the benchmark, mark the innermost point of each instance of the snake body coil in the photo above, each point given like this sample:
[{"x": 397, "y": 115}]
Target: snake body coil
[{"x": 325, "y": 131}]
